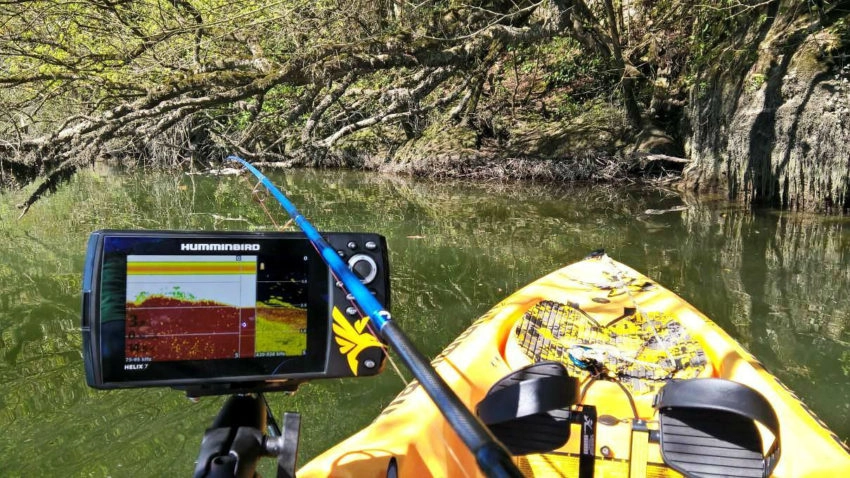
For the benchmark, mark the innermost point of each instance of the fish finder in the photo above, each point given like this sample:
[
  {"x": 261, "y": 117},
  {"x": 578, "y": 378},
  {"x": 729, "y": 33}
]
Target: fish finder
[{"x": 221, "y": 313}]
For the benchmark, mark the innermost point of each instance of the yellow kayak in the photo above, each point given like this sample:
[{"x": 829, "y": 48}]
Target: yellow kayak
[{"x": 596, "y": 370}]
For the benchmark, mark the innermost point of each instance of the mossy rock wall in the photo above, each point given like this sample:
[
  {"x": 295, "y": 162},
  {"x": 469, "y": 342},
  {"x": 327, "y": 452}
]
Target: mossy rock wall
[{"x": 774, "y": 128}]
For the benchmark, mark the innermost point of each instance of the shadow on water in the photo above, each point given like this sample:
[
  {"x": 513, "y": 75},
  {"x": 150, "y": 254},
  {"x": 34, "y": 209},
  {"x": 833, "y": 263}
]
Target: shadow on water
[{"x": 777, "y": 283}]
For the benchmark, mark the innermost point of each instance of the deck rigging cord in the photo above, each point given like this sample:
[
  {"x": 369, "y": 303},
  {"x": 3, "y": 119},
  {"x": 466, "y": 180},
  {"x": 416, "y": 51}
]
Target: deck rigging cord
[
  {"x": 492, "y": 458},
  {"x": 602, "y": 361}
]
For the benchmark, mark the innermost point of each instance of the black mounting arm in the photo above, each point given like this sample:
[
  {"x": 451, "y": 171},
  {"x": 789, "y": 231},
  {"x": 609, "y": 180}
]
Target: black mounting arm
[{"x": 235, "y": 442}]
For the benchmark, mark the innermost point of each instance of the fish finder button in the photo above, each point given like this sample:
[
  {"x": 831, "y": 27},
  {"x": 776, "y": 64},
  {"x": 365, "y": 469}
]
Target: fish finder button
[{"x": 364, "y": 267}]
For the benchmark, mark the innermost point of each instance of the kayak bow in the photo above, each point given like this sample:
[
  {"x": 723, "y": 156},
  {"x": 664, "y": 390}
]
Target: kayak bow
[{"x": 655, "y": 389}]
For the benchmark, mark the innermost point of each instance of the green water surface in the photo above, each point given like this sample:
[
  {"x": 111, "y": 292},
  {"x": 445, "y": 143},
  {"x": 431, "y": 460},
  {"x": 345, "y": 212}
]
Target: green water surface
[{"x": 777, "y": 282}]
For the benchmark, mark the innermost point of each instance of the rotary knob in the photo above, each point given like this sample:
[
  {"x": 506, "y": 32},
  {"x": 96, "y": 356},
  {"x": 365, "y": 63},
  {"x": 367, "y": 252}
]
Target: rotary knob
[{"x": 364, "y": 267}]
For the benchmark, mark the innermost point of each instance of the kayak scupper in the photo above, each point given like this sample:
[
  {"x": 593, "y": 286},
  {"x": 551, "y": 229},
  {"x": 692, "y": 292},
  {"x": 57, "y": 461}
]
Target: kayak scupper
[{"x": 596, "y": 370}]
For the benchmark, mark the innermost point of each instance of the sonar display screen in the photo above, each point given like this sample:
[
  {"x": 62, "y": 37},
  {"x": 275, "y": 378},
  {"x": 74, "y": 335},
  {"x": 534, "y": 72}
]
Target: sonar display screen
[{"x": 201, "y": 307}]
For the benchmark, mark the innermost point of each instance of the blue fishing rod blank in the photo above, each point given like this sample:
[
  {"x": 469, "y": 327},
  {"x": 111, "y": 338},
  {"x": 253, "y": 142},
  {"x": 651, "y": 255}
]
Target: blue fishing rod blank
[
  {"x": 368, "y": 304},
  {"x": 491, "y": 456}
]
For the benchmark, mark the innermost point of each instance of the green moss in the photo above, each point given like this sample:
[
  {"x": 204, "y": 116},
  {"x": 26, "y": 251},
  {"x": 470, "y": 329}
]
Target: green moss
[
  {"x": 593, "y": 125},
  {"x": 755, "y": 82},
  {"x": 808, "y": 61},
  {"x": 441, "y": 139},
  {"x": 453, "y": 136}
]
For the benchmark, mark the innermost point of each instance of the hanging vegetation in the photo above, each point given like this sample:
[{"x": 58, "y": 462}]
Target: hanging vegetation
[{"x": 557, "y": 89}]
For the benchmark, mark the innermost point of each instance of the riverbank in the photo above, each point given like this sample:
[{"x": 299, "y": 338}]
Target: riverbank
[
  {"x": 593, "y": 146},
  {"x": 748, "y": 100}
]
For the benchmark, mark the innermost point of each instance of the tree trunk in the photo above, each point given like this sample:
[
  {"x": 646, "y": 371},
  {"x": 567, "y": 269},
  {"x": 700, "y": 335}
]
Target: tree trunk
[{"x": 629, "y": 101}]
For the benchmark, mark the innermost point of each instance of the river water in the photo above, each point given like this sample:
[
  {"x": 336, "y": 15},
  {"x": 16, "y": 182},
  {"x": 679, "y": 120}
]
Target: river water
[{"x": 777, "y": 282}]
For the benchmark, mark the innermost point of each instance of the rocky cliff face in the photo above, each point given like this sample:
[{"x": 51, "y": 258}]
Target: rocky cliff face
[{"x": 772, "y": 125}]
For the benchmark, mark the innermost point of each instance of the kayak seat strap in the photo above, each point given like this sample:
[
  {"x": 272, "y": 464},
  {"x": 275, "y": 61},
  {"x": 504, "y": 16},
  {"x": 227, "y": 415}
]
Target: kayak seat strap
[
  {"x": 529, "y": 409},
  {"x": 639, "y": 450},
  {"x": 708, "y": 428}
]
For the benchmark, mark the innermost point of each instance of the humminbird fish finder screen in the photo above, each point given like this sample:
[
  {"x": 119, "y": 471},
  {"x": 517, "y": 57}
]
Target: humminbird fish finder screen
[
  {"x": 214, "y": 307},
  {"x": 184, "y": 309}
]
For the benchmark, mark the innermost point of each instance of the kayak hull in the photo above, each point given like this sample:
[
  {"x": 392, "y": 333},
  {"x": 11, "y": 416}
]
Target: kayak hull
[{"x": 596, "y": 311}]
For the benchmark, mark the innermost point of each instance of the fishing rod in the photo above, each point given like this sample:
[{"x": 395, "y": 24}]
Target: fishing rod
[{"x": 492, "y": 458}]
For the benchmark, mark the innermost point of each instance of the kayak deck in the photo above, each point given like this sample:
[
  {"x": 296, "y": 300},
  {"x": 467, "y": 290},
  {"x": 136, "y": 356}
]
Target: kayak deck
[{"x": 623, "y": 338}]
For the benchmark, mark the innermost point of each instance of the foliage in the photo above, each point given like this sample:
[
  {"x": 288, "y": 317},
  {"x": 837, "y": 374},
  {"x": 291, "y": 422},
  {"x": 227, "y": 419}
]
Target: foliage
[{"x": 288, "y": 81}]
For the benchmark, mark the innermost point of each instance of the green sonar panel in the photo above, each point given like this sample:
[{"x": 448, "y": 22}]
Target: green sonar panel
[{"x": 641, "y": 350}]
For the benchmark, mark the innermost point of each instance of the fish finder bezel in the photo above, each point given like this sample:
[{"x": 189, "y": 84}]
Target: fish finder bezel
[{"x": 333, "y": 324}]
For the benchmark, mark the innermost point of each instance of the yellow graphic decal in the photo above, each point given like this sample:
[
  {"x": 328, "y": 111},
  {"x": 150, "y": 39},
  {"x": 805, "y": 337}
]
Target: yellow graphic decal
[
  {"x": 351, "y": 338},
  {"x": 619, "y": 284},
  {"x": 642, "y": 351}
]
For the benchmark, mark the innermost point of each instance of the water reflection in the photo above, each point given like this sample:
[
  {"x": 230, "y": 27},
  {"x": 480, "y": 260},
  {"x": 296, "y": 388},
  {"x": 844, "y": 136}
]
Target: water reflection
[{"x": 776, "y": 282}]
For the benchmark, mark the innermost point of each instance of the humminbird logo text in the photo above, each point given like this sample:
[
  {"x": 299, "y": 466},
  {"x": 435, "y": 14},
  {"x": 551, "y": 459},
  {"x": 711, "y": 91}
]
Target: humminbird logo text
[{"x": 219, "y": 247}]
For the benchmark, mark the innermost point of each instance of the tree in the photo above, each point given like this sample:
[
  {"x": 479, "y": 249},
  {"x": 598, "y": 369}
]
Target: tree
[
  {"x": 292, "y": 80},
  {"x": 117, "y": 78}
]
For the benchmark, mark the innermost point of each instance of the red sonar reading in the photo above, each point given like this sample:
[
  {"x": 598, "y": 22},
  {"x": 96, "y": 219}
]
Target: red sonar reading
[{"x": 170, "y": 329}]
